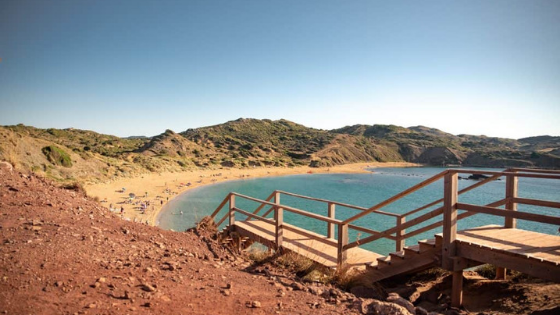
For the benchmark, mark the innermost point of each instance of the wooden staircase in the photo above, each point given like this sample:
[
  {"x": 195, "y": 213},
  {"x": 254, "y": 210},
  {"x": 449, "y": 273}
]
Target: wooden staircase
[
  {"x": 414, "y": 258},
  {"x": 234, "y": 240}
]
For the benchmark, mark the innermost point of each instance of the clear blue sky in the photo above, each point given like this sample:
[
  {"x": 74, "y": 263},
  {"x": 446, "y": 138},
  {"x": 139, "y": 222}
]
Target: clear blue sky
[{"x": 140, "y": 67}]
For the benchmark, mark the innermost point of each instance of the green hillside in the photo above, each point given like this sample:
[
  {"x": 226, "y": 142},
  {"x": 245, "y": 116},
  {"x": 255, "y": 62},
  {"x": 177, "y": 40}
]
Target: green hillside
[{"x": 72, "y": 154}]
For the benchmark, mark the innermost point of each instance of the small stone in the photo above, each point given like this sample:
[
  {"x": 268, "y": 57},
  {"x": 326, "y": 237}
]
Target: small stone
[
  {"x": 298, "y": 286},
  {"x": 58, "y": 283},
  {"x": 225, "y": 292},
  {"x": 229, "y": 285},
  {"x": 256, "y": 304},
  {"x": 147, "y": 304},
  {"x": 102, "y": 280},
  {"x": 92, "y": 305},
  {"x": 148, "y": 288}
]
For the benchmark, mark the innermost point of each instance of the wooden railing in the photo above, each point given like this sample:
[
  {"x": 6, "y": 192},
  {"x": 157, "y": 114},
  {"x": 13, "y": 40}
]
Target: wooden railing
[{"x": 449, "y": 209}]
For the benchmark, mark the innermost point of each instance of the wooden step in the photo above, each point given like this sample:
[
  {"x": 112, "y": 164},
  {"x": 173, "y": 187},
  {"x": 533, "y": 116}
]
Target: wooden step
[
  {"x": 380, "y": 272},
  {"x": 386, "y": 260},
  {"x": 412, "y": 250},
  {"x": 427, "y": 244},
  {"x": 399, "y": 255}
]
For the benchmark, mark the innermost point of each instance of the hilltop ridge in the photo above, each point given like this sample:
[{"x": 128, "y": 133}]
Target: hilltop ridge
[{"x": 248, "y": 142}]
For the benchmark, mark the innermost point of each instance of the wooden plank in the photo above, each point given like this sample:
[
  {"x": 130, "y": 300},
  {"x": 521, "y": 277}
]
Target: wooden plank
[
  {"x": 513, "y": 214},
  {"x": 535, "y": 202}
]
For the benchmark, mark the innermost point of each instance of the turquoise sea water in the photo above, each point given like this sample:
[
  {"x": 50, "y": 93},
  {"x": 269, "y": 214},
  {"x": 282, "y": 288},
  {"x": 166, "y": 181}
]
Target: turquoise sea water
[{"x": 363, "y": 190}]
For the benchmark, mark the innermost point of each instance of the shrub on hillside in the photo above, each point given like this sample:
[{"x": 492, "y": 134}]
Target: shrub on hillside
[{"x": 57, "y": 156}]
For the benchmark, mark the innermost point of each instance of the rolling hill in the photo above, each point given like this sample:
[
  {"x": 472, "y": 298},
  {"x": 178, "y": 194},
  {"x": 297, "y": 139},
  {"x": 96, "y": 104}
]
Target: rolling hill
[{"x": 80, "y": 155}]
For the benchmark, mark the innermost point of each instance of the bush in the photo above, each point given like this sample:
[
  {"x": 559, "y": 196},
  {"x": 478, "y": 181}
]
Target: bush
[{"x": 57, "y": 156}]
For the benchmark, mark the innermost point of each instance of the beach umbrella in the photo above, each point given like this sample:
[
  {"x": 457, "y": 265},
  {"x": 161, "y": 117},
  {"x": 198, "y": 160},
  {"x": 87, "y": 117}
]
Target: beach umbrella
[{"x": 131, "y": 195}]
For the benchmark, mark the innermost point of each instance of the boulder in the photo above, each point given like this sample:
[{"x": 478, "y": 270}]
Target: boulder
[{"x": 376, "y": 307}]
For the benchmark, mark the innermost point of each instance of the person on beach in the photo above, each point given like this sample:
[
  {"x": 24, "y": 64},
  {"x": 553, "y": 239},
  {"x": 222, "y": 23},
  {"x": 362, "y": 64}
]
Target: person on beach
[{"x": 122, "y": 210}]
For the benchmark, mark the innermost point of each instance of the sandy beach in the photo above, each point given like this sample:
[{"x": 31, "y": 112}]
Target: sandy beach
[{"x": 153, "y": 191}]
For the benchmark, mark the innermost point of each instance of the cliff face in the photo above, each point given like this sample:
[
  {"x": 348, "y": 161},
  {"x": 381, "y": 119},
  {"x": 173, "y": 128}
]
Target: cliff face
[{"x": 254, "y": 142}]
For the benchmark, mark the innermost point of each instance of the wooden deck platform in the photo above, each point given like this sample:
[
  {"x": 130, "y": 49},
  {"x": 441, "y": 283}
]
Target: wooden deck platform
[
  {"x": 534, "y": 253},
  {"x": 505, "y": 246},
  {"x": 314, "y": 246}
]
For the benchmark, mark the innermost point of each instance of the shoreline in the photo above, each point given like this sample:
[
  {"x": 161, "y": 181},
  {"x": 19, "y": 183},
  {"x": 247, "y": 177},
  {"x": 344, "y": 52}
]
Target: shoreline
[{"x": 158, "y": 189}]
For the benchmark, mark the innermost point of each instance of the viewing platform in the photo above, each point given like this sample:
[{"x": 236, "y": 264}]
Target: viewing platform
[{"x": 504, "y": 246}]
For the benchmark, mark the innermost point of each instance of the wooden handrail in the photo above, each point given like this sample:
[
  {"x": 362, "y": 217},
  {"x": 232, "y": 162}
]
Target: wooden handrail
[
  {"x": 388, "y": 232},
  {"x": 369, "y": 231},
  {"x": 530, "y": 170},
  {"x": 262, "y": 205},
  {"x": 459, "y": 217},
  {"x": 226, "y": 199},
  {"x": 510, "y": 214},
  {"x": 505, "y": 173},
  {"x": 336, "y": 203},
  {"x": 291, "y": 209},
  {"x": 254, "y": 216},
  {"x": 397, "y": 196},
  {"x": 535, "y": 202},
  {"x": 464, "y": 190}
]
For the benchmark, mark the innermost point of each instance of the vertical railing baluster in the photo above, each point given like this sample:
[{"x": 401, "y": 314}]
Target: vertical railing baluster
[
  {"x": 511, "y": 193},
  {"x": 400, "y": 241},
  {"x": 231, "y": 209},
  {"x": 342, "y": 241},
  {"x": 330, "y": 225},
  {"x": 279, "y": 221},
  {"x": 449, "y": 219}
]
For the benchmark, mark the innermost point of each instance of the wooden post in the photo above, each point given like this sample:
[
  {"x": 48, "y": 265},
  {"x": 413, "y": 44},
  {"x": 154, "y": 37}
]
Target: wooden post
[
  {"x": 400, "y": 242},
  {"x": 279, "y": 221},
  {"x": 330, "y": 225},
  {"x": 511, "y": 192},
  {"x": 449, "y": 219},
  {"x": 231, "y": 211},
  {"x": 457, "y": 289},
  {"x": 342, "y": 241}
]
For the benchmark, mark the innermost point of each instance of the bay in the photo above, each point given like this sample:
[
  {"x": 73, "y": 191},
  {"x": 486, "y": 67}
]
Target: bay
[{"x": 363, "y": 190}]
